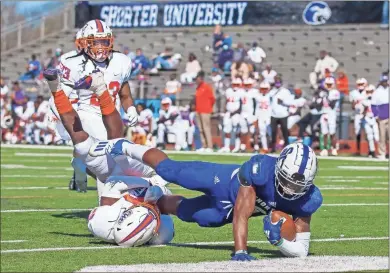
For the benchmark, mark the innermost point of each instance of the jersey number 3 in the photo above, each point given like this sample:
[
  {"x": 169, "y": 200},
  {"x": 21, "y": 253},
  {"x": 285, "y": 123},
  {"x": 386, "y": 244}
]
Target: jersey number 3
[{"x": 113, "y": 88}]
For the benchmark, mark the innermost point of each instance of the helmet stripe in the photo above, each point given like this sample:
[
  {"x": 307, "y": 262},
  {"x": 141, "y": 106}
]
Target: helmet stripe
[
  {"x": 99, "y": 25},
  {"x": 148, "y": 219},
  {"x": 305, "y": 157}
]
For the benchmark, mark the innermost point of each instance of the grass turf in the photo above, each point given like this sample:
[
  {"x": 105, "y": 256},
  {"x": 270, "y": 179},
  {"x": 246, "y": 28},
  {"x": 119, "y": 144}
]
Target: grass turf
[{"x": 68, "y": 228}]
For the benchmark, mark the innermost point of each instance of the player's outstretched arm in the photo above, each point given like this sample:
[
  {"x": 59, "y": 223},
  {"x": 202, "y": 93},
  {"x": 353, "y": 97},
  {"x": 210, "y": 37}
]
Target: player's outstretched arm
[
  {"x": 243, "y": 209},
  {"x": 69, "y": 117},
  {"x": 128, "y": 104},
  {"x": 298, "y": 248}
]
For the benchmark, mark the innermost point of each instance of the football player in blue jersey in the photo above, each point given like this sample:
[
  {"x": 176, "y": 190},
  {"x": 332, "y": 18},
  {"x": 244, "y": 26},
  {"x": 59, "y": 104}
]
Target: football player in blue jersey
[{"x": 234, "y": 193}]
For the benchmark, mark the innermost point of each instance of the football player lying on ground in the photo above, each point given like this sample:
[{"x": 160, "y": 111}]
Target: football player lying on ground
[
  {"x": 234, "y": 193},
  {"x": 104, "y": 166},
  {"x": 120, "y": 222}
]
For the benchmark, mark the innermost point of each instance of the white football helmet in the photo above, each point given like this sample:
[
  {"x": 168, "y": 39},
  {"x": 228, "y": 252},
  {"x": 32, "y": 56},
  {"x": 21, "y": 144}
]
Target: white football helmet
[
  {"x": 329, "y": 83},
  {"x": 102, "y": 220},
  {"x": 295, "y": 171},
  {"x": 79, "y": 42},
  {"x": 165, "y": 233},
  {"x": 137, "y": 225},
  {"x": 361, "y": 84},
  {"x": 264, "y": 87},
  {"x": 98, "y": 40}
]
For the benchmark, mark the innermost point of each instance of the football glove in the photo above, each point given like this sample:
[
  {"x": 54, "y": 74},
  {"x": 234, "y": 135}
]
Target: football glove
[
  {"x": 272, "y": 230},
  {"x": 132, "y": 115},
  {"x": 52, "y": 79},
  {"x": 242, "y": 255},
  {"x": 94, "y": 82}
]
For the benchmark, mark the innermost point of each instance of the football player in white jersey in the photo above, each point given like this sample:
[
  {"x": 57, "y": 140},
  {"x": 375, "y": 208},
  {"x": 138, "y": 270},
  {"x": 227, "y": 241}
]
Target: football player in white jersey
[
  {"x": 329, "y": 117},
  {"x": 356, "y": 97},
  {"x": 101, "y": 167},
  {"x": 170, "y": 121},
  {"x": 247, "y": 117},
  {"x": 231, "y": 118},
  {"x": 370, "y": 124},
  {"x": 143, "y": 130},
  {"x": 96, "y": 53},
  {"x": 295, "y": 109},
  {"x": 263, "y": 114}
]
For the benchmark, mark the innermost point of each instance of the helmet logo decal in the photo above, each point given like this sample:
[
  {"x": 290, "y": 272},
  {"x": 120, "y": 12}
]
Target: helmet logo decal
[
  {"x": 99, "y": 25},
  {"x": 305, "y": 157}
]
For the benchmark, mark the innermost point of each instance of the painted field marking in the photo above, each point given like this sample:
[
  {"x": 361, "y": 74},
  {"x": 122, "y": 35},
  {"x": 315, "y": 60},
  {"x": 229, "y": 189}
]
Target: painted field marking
[
  {"x": 17, "y": 166},
  {"x": 355, "y": 177},
  {"x": 343, "y": 180},
  {"x": 35, "y": 175},
  {"x": 43, "y": 147},
  {"x": 307, "y": 264},
  {"x": 364, "y": 168},
  {"x": 182, "y": 244},
  {"x": 13, "y": 241},
  {"x": 334, "y": 187},
  {"x": 34, "y": 188},
  {"x": 382, "y": 183},
  {"x": 44, "y": 155},
  {"x": 59, "y": 210}
]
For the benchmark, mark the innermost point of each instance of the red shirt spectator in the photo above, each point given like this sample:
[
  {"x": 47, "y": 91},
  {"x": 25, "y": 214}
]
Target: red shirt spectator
[
  {"x": 342, "y": 82},
  {"x": 204, "y": 98}
]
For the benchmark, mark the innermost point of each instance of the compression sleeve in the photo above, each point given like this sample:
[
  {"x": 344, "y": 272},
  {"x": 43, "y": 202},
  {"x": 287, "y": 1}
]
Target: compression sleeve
[{"x": 298, "y": 248}]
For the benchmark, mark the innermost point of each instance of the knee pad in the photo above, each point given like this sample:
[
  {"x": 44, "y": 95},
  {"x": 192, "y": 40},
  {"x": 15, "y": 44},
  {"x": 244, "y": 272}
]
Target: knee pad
[{"x": 78, "y": 165}]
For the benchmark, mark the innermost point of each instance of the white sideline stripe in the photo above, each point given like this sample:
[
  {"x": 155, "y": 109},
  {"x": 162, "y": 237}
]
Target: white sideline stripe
[
  {"x": 43, "y": 147},
  {"x": 382, "y": 183},
  {"x": 364, "y": 168},
  {"x": 184, "y": 244},
  {"x": 13, "y": 241},
  {"x": 343, "y": 180},
  {"x": 59, "y": 210},
  {"x": 44, "y": 155},
  {"x": 334, "y": 187},
  {"x": 356, "y": 177},
  {"x": 36, "y": 175},
  {"x": 33, "y": 188},
  {"x": 17, "y": 166}
]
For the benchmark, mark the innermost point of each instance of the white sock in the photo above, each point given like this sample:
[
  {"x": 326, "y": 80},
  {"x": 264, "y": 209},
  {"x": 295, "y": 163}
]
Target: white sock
[
  {"x": 243, "y": 146},
  {"x": 227, "y": 142},
  {"x": 237, "y": 143},
  {"x": 371, "y": 145},
  {"x": 264, "y": 143},
  {"x": 136, "y": 151}
]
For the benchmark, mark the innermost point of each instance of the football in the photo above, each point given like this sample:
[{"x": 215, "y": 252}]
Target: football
[{"x": 287, "y": 231}]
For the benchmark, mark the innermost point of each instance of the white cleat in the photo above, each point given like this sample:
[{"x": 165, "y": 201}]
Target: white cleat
[
  {"x": 200, "y": 150},
  {"x": 334, "y": 152},
  {"x": 236, "y": 150},
  {"x": 208, "y": 150},
  {"x": 224, "y": 150},
  {"x": 324, "y": 152}
]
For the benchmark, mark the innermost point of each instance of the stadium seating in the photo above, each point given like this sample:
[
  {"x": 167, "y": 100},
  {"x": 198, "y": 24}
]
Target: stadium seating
[{"x": 361, "y": 49}]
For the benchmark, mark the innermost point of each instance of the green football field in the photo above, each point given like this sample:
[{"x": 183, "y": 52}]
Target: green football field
[{"x": 43, "y": 224}]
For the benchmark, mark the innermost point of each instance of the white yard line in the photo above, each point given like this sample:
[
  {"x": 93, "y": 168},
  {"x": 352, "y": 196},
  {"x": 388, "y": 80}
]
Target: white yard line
[
  {"x": 35, "y": 175},
  {"x": 183, "y": 244},
  {"x": 343, "y": 180},
  {"x": 336, "y": 187},
  {"x": 13, "y": 241},
  {"x": 382, "y": 183},
  {"x": 43, "y": 155},
  {"x": 59, "y": 210},
  {"x": 364, "y": 168},
  {"x": 354, "y": 177},
  {"x": 34, "y": 188},
  {"x": 17, "y": 166},
  {"x": 42, "y": 147}
]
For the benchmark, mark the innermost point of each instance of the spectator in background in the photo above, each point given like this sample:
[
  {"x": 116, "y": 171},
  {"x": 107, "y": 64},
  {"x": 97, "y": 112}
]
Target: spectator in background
[
  {"x": 141, "y": 63},
  {"x": 131, "y": 55},
  {"x": 218, "y": 37},
  {"x": 324, "y": 62},
  {"x": 18, "y": 97},
  {"x": 192, "y": 69},
  {"x": 239, "y": 53},
  {"x": 225, "y": 59},
  {"x": 49, "y": 61},
  {"x": 269, "y": 74},
  {"x": 172, "y": 88},
  {"x": 240, "y": 69},
  {"x": 166, "y": 60},
  {"x": 342, "y": 82},
  {"x": 3, "y": 91},
  {"x": 380, "y": 108},
  {"x": 281, "y": 100},
  {"x": 385, "y": 15},
  {"x": 33, "y": 69},
  {"x": 204, "y": 103},
  {"x": 256, "y": 55}
]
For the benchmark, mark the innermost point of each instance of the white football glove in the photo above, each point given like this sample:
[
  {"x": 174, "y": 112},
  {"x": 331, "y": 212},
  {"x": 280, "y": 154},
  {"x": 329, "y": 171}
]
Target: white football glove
[{"x": 132, "y": 115}]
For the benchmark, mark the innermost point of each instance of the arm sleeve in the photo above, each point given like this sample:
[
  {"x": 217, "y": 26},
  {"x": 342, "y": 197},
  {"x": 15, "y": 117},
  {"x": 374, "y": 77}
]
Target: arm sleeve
[
  {"x": 115, "y": 186},
  {"x": 299, "y": 248}
]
